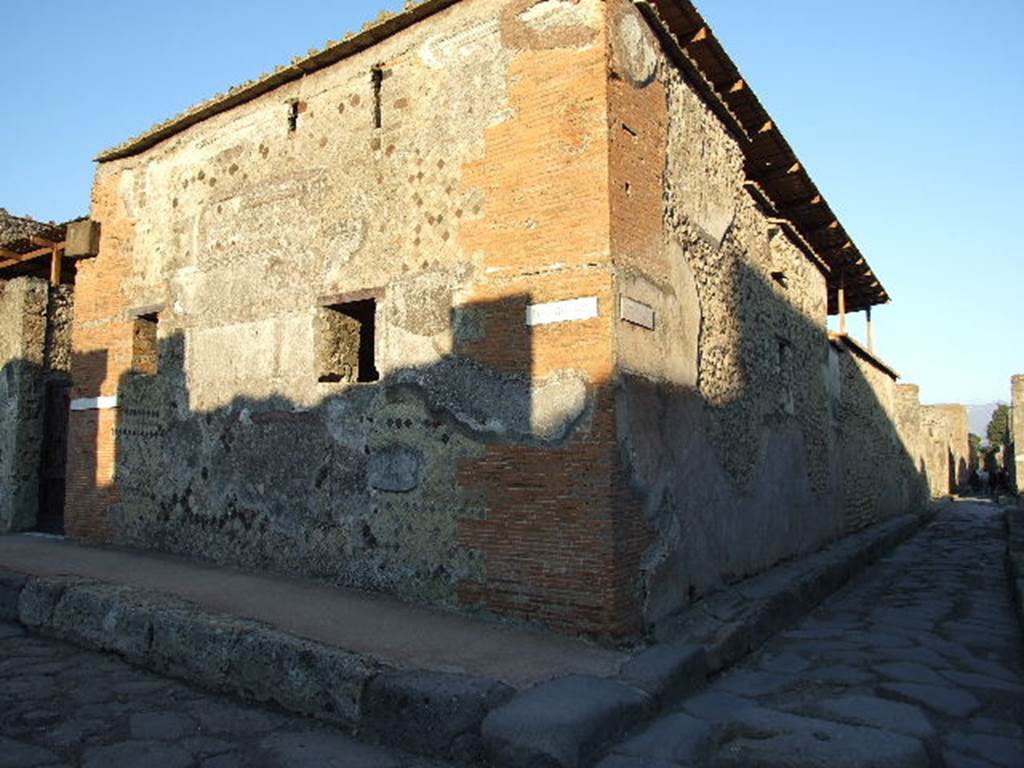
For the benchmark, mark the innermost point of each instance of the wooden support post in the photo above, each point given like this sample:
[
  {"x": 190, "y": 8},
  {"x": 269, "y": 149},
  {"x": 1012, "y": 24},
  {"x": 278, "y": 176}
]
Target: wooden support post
[
  {"x": 871, "y": 332},
  {"x": 55, "y": 265},
  {"x": 842, "y": 306}
]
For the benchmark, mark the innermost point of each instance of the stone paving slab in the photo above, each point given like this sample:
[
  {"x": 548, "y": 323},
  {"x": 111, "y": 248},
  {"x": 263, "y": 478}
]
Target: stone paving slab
[
  {"x": 916, "y": 662},
  {"x": 741, "y": 618},
  {"x": 433, "y": 713},
  {"x": 91, "y": 709}
]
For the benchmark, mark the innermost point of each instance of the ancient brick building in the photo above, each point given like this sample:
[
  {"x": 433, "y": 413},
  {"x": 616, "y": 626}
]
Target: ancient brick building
[{"x": 517, "y": 306}]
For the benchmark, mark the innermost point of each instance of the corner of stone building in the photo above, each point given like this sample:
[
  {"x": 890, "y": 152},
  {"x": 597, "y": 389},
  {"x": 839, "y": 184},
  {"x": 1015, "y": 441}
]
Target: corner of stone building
[{"x": 1017, "y": 427}]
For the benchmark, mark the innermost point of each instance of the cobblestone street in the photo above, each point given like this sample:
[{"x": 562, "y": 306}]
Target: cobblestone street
[
  {"x": 917, "y": 662},
  {"x": 63, "y": 707}
]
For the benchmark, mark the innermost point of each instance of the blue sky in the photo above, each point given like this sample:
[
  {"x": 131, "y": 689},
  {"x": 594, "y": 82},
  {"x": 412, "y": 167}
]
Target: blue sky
[{"x": 905, "y": 112}]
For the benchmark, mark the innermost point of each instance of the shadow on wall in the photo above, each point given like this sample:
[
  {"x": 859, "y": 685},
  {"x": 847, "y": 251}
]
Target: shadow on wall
[
  {"x": 467, "y": 483},
  {"x": 800, "y": 451},
  {"x": 591, "y": 507}
]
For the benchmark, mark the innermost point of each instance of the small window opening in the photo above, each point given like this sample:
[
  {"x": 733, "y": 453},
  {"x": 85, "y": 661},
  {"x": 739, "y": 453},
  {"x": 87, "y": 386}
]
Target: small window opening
[
  {"x": 377, "y": 78},
  {"x": 145, "y": 347},
  {"x": 629, "y": 189},
  {"x": 781, "y": 278},
  {"x": 293, "y": 116},
  {"x": 784, "y": 352},
  {"x": 346, "y": 342}
]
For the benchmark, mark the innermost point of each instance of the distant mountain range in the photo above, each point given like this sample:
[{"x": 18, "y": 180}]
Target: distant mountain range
[{"x": 978, "y": 416}]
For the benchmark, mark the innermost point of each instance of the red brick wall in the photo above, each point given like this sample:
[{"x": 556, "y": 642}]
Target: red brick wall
[{"x": 101, "y": 354}]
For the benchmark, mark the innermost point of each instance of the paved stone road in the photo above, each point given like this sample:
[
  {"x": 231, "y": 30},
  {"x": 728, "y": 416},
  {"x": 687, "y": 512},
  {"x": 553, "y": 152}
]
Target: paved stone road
[
  {"x": 60, "y": 706},
  {"x": 915, "y": 663}
]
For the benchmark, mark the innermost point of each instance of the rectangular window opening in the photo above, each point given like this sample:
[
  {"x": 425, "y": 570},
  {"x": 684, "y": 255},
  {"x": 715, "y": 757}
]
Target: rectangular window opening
[
  {"x": 781, "y": 278},
  {"x": 785, "y": 350},
  {"x": 346, "y": 342},
  {"x": 145, "y": 344},
  {"x": 377, "y": 78},
  {"x": 293, "y": 116}
]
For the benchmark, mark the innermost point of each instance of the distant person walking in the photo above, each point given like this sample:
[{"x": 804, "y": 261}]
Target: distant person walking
[{"x": 983, "y": 478}]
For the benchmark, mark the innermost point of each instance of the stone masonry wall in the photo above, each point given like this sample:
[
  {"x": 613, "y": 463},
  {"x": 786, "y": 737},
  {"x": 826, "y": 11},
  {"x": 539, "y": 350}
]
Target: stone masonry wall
[
  {"x": 743, "y": 439},
  {"x": 910, "y": 427},
  {"x": 881, "y": 473},
  {"x": 22, "y": 358},
  {"x": 1017, "y": 414},
  {"x": 723, "y": 406},
  {"x": 947, "y": 448},
  {"x": 478, "y": 472}
]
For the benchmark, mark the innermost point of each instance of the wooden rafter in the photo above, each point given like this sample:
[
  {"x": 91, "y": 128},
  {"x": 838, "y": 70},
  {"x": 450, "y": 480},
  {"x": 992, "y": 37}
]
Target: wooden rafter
[{"x": 12, "y": 258}]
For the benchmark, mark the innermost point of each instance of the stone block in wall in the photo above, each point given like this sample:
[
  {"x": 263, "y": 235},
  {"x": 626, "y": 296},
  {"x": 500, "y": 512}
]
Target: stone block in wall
[{"x": 82, "y": 239}]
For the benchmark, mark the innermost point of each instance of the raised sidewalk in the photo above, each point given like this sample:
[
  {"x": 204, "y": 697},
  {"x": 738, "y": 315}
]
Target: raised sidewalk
[
  {"x": 427, "y": 681},
  {"x": 391, "y": 631}
]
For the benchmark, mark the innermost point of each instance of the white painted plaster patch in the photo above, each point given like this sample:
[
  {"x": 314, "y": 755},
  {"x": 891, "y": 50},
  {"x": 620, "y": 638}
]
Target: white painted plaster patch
[{"x": 562, "y": 311}]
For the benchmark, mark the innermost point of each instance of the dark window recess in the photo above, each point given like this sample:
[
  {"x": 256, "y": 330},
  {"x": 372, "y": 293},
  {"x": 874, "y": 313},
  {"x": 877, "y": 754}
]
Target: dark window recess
[
  {"x": 377, "y": 78},
  {"x": 781, "y": 278},
  {"x": 346, "y": 342},
  {"x": 293, "y": 116},
  {"x": 145, "y": 347},
  {"x": 785, "y": 350}
]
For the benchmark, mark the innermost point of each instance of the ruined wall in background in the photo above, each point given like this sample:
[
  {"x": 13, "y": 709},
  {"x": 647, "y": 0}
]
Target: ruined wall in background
[
  {"x": 910, "y": 428},
  {"x": 881, "y": 472},
  {"x": 478, "y": 471},
  {"x": 1017, "y": 416},
  {"x": 958, "y": 435},
  {"x": 723, "y": 404},
  {"x": 947, "y": 447},
  {"x": 22, "y": 359}
]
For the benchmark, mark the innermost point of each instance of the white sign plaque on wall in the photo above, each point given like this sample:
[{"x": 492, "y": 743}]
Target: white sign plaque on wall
[
  {"x": 562, "y": 311},
  {"x": 636, "y": 313},
  {"x": 94, "y": 403}
]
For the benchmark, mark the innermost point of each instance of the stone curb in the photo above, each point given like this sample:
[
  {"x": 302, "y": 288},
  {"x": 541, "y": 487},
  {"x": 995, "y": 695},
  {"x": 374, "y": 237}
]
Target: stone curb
[
  {"x": 430, "y": 713},
  {"x": 740, "y": 619},
  {"x": 1014, "y": 522},
  {"x": 568, "y": 722}
]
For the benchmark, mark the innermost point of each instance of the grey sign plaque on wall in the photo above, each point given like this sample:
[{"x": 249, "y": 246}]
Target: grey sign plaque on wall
[{"x": 636, "y": 313}]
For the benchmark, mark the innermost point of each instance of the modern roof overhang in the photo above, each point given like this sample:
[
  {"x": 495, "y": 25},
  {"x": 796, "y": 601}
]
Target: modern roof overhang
[
  {"x": 776, "y": 177},
  {"x": 42, "y": 243},
  {"x": 775, "y": 174}
]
